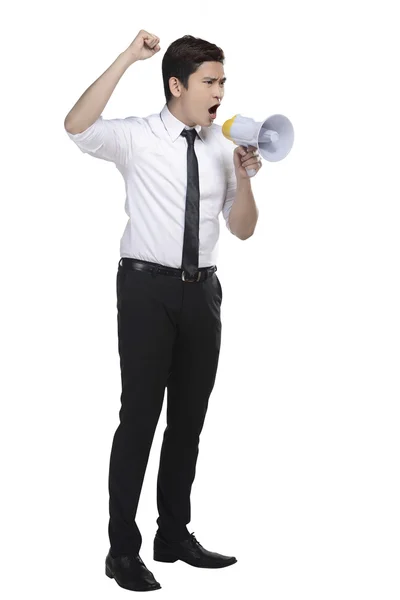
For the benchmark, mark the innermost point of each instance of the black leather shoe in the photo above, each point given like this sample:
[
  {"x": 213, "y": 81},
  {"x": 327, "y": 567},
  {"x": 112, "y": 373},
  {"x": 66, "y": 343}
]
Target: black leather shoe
[
  {"x": 191, "y": 552},
  {"x": 130, "y": 572}
]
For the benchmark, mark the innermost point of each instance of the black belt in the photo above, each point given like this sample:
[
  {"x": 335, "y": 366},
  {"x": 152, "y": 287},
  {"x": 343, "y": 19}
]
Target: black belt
[{"x": 154, "y": 268}]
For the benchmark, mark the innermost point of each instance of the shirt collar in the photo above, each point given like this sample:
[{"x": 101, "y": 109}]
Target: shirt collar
[{"x": 174, "y": 126}]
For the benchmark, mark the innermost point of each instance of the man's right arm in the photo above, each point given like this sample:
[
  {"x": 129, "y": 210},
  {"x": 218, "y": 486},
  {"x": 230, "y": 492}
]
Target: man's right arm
[
  {"x": 93, "y": 101},
  {"x": 113, "y": 140}
]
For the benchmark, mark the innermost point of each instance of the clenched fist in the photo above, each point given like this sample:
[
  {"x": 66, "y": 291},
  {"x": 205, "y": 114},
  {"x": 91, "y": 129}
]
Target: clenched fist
[{"x": 145, "y": 45}]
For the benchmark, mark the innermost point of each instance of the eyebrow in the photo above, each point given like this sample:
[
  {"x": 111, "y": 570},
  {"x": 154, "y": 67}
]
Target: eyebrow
[{"x": 215, "y": 78}]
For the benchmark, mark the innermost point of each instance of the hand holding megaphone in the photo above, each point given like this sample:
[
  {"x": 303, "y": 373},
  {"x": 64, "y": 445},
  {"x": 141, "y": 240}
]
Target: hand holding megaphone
[
  {"x": 246, "y": 160},
  {"x": 273, "y": 137}
]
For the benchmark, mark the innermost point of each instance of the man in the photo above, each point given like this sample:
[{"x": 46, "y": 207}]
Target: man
[{"x": 179, "y": 175}]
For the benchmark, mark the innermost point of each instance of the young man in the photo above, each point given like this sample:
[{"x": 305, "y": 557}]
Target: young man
[{"x": 179, "y": 174}]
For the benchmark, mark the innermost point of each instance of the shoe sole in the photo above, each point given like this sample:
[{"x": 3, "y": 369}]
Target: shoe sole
[
  {"x": 160, "y": 557},
  {"x": 126, "y": 587}
]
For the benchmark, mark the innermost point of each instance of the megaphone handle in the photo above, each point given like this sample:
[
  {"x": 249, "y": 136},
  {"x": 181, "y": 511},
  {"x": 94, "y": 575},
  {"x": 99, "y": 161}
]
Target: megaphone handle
[{"x": 250, "y": 172}]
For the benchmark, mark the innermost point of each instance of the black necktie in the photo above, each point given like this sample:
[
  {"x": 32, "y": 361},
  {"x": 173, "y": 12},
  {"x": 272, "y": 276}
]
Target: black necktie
[{"x": 190, "y": 255}]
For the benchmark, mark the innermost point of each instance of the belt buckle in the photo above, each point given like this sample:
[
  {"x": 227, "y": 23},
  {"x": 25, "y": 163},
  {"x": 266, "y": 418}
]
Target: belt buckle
[{"x": 191, "y": 280}]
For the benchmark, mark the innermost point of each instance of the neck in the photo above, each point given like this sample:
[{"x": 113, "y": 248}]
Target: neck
[{"x": 178, "y": 114}]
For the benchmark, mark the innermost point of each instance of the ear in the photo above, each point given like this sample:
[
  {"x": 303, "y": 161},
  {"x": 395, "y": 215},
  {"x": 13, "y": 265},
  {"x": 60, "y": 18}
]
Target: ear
[{"x": 175, "y": 87}]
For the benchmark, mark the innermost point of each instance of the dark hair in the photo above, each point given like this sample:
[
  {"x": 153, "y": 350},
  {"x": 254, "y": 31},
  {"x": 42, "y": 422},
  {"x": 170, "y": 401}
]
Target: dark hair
[{"x": 184, "y": 56}]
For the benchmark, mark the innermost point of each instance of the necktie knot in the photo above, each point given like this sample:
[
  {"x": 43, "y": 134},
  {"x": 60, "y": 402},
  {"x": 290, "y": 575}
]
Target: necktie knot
[{"x": 190, "y": 135}]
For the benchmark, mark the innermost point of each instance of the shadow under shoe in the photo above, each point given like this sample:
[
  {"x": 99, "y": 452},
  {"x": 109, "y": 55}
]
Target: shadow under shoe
[
  {"x": 191, "y": 552},
  {"x": 130, "y": 572}
]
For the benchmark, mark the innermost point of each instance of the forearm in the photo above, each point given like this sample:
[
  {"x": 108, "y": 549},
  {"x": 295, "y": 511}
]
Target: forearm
[
  {"x": 243, "y": 215},
  {"x": 92, "y": 102}
]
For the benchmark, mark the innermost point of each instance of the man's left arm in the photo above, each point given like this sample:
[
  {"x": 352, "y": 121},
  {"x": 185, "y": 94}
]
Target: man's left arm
[{"x": 243, "y": 215}]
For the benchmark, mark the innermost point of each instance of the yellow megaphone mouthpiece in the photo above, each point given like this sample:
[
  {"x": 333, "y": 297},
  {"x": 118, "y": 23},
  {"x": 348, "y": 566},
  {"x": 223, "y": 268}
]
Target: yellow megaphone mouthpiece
[{"x": 226, "y": 128}]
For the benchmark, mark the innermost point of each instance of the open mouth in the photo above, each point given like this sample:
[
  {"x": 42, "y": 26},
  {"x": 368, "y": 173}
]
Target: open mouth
[{"x": 213, "y": 110}]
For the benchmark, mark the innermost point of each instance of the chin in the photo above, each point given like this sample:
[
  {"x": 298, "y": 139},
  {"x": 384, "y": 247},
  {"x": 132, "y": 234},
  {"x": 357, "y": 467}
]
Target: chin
[
  {"x": 204, "y": 122},
  {"x": 208, "y": 122}
]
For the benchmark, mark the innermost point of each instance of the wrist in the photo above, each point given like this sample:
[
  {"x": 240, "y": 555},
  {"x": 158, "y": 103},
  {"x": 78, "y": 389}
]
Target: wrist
[
  {"x": 127, "y": 58},
  {"x": 242, "y": 181}
]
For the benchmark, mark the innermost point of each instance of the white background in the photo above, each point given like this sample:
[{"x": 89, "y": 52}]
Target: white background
[{"x": 298, "y": 471}]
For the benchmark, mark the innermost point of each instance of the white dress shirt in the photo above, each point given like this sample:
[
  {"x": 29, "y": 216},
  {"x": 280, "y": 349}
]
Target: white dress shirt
[{"x": 151, "y": 155}]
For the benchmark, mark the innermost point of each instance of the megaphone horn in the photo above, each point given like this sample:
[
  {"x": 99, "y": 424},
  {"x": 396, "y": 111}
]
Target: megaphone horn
[{"x": 273, "y": 137}]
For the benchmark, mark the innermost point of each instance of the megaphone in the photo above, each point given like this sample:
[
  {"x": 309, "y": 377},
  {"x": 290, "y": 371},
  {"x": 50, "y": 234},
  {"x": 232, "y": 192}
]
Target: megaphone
[{"x": 273, "y": 137}]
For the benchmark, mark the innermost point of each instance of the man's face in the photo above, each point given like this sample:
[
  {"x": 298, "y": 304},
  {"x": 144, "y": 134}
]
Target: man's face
[{"x": 206, "y": 89}]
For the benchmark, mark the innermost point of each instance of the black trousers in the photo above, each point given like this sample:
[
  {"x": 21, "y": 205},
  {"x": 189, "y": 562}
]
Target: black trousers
[{"x": 169, "y": 336}]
